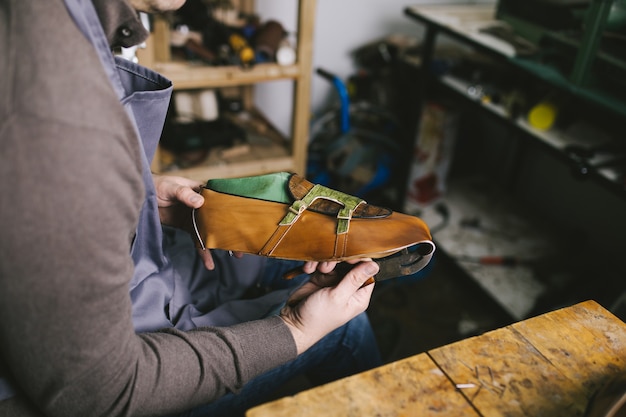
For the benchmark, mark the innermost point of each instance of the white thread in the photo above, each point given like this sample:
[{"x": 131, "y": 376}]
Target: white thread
[{"x": 195, "y": 227}]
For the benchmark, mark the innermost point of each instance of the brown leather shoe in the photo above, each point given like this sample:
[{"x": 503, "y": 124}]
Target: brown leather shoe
[{"x": 285, "y": 216}]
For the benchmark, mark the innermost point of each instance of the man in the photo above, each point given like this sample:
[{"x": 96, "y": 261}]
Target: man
[{"x": 78, "y": 216}]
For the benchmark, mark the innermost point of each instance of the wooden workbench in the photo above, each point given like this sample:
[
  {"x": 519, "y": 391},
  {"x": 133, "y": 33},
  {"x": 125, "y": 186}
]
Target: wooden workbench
[{"x": 548, "y": 365}]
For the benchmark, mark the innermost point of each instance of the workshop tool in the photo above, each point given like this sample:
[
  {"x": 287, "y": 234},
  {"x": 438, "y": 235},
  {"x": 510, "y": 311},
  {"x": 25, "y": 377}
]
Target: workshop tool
[
  {"x": 617, "y": 162},
  {"x": 582, "y": 157},
  {"x": 243, "y": 51},
  {"x": 268, "y": 39},
  {"x": 408, "y": 261}
]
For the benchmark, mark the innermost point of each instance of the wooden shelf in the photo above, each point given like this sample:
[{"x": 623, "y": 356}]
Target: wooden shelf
[
  {"x": 485, "y": 225},
  {"x": 465, "y": 22},
  {"x": 262, "y": 155},
  {"x": 186, "y": 75},
  {"x": 264, "y": 151},
  {"x": 554, "y": 138},
  {"x": 236, "y": 168}
]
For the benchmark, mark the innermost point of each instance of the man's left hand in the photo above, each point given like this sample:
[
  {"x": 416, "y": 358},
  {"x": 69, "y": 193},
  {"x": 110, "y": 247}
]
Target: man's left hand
[{"x": 176, "y": 197}]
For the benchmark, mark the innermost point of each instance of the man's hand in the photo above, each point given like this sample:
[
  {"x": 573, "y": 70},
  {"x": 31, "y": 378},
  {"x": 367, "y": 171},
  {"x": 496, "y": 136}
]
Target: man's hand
[
  {"x": 176, "y": 197},
  {"x": 326, "y": 302},
  {"x": 324, "y": 267},
  {"x": 156, "y": 6}
]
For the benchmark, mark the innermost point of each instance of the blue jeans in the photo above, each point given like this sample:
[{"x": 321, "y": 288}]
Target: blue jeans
[{"x": 345, "y": 351}]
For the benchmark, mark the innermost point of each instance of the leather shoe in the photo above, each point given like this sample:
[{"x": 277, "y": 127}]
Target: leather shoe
[{"x": 282, "y": 215}]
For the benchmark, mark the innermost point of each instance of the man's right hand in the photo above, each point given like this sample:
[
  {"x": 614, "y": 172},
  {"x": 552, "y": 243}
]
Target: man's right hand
[{"x": 326, "y": 302}]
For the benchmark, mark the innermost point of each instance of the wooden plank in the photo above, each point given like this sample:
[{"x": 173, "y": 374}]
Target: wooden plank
[
  {"x": 410, "y": 387},
  {"x": 585, "y": 334},
  {"x": 509, "y": 377},
  {"x": 545, "y": 366},
  {"x": 457, "y": 17},
  {"x": 187, "y": 76},
  {"x": 466, "y": 21},
  {"x": 302, "y": 93},
  {"x": 258, "y": 166}
]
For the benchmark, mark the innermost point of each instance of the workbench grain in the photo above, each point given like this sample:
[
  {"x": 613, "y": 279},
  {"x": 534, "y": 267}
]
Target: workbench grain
[
  {"x": 397, "y": 389},
  {"x": 548, "y": 365}
]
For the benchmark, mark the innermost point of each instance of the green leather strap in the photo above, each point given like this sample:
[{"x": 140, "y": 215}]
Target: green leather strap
[
  {"x": 349, "y": 203},
  {"x": 271, "y": 187}
]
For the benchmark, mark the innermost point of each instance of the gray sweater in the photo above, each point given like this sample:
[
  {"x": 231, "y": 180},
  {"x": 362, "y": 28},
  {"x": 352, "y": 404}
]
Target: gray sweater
[{"x": 71, "y": 195}]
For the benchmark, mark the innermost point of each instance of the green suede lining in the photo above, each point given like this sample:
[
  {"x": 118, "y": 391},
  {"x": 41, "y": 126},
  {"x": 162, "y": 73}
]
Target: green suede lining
[{"x": 269, "y": 187}]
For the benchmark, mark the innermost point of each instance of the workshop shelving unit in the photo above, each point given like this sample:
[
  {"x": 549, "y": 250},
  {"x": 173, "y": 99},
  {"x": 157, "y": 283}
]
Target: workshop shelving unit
[
  {"x": 463, "y": 23},
  {"x": 506, "y": 229},
  {"x": 272, "y": 153}
]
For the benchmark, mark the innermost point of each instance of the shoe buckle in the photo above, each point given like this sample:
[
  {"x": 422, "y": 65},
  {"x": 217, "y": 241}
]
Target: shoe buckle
[{"x": 349, "y": 203}]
